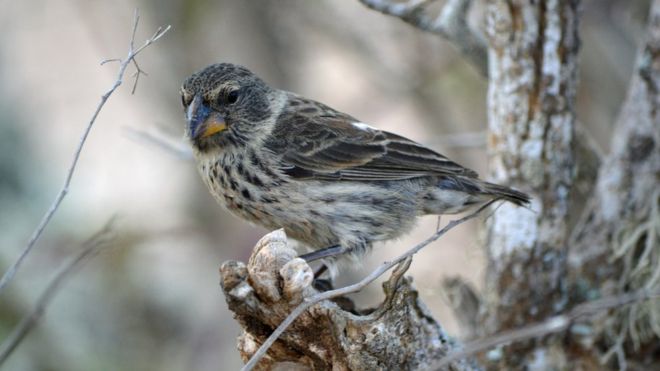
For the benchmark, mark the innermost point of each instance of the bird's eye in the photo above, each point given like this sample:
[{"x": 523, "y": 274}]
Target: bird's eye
[
  {"x": 232, "y": 96},
  {"x": 185, "y": 99}
]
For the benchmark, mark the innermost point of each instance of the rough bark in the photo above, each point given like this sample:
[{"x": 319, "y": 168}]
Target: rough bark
[
  {"x": 616, "y": 246},
  {"x": 533, "y": 78},
  {"x": 536, "y": 269},
  {"x": 399, "y": 334}
]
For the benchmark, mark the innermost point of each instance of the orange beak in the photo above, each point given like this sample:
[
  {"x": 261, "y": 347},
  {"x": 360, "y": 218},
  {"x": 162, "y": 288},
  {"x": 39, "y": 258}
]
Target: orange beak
[{"x": 214, "y": 124}]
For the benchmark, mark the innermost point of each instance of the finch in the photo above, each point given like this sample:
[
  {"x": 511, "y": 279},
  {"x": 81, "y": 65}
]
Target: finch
[{"x": 335, "y": 184}]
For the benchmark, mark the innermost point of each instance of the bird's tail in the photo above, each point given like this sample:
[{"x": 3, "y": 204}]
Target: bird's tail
[{"x": 506, "y": 193}]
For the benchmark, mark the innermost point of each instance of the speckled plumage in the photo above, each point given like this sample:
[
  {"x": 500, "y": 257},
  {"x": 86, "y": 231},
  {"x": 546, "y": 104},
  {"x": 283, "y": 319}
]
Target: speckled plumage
[{"x": 284, "y": 161}]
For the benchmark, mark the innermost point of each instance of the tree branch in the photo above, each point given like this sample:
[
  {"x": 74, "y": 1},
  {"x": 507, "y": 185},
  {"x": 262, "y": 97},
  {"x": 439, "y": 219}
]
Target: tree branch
[
  {"x": 88, "y": 249},
  {"x": 451, "y": 24},
  {"x": 160, "y": 141},
  {"x": 123, "y": 64}
]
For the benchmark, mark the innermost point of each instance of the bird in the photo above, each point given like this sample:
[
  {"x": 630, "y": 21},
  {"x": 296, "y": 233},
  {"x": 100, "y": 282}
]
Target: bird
[{"x": 332, "y": 182}]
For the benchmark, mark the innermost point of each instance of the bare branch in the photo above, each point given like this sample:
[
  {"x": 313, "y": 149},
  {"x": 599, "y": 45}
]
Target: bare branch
[
  {"x": 451, "y": 24},
  {"x": 124, "y": 63},
  {"x": 180, "y": 151},
  {"x": 136, "y": 75},
  {"x": 310, "y": 301},
  {"x": 89, "y": 248},
  {"x": 552, "y": 325},
  {"x": 110, "y": 60}
]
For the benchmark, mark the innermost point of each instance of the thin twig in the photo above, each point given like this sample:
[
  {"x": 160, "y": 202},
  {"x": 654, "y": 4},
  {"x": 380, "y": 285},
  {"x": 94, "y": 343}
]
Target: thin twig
[
  {"x": 549, "y": 326},
  {"x": 179, "y": 151},
  {"x": 132, "y": 53},
  {"x": 308, "y": 302},
  {"x": 89, "y": 248},
  {"x": 136, "y": 75},
  {"x": 110, "y": 60}
]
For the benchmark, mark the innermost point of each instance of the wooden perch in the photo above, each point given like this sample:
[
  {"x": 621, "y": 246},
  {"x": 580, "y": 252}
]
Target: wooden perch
[{"x": 398, "y": 334}]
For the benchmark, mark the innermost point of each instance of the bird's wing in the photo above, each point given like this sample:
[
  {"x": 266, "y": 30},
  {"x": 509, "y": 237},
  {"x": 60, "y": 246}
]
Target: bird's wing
[{"x": 317, "y": 142}]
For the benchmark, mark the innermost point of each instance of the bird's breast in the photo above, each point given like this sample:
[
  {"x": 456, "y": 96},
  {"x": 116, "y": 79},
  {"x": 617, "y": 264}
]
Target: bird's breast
[{"x": 245, "y": 185}]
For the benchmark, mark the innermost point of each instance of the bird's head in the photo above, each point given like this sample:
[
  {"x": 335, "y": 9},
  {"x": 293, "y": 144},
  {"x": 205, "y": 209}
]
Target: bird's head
[{"x": 226, "y": 105}]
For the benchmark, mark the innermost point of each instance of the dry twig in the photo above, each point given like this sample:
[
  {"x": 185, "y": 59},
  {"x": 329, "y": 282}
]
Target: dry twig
[
  {"x": 89, "y": 248},
  {"x": 178, "y": 150},
  {"x": 123, "y": 64}
]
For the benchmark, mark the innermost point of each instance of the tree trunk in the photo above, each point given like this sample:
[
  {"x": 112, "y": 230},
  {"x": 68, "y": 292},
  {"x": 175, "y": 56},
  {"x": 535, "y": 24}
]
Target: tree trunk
[
  {"x": 535, "y": 269},
  {"x": 533, "y": 77},
  {"x": 616, "y": 246}
]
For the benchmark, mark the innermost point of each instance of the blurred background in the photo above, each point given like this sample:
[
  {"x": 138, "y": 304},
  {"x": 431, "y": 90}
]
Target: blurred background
[{"x": 151, "y": 300}]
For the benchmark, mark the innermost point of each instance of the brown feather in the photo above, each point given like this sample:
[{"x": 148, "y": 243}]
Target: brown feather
[{"x": 321, "y": 143}]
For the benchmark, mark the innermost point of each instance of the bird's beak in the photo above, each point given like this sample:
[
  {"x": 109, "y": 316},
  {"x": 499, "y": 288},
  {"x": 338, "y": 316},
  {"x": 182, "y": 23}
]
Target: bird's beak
[
  {"x": 212, "y": 126},
  {"x": 202, "y": 121}
]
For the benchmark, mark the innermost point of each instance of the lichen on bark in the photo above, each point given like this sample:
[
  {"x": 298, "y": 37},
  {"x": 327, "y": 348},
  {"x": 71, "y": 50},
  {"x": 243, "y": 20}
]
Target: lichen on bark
[{"x": 531, "y": 102}]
